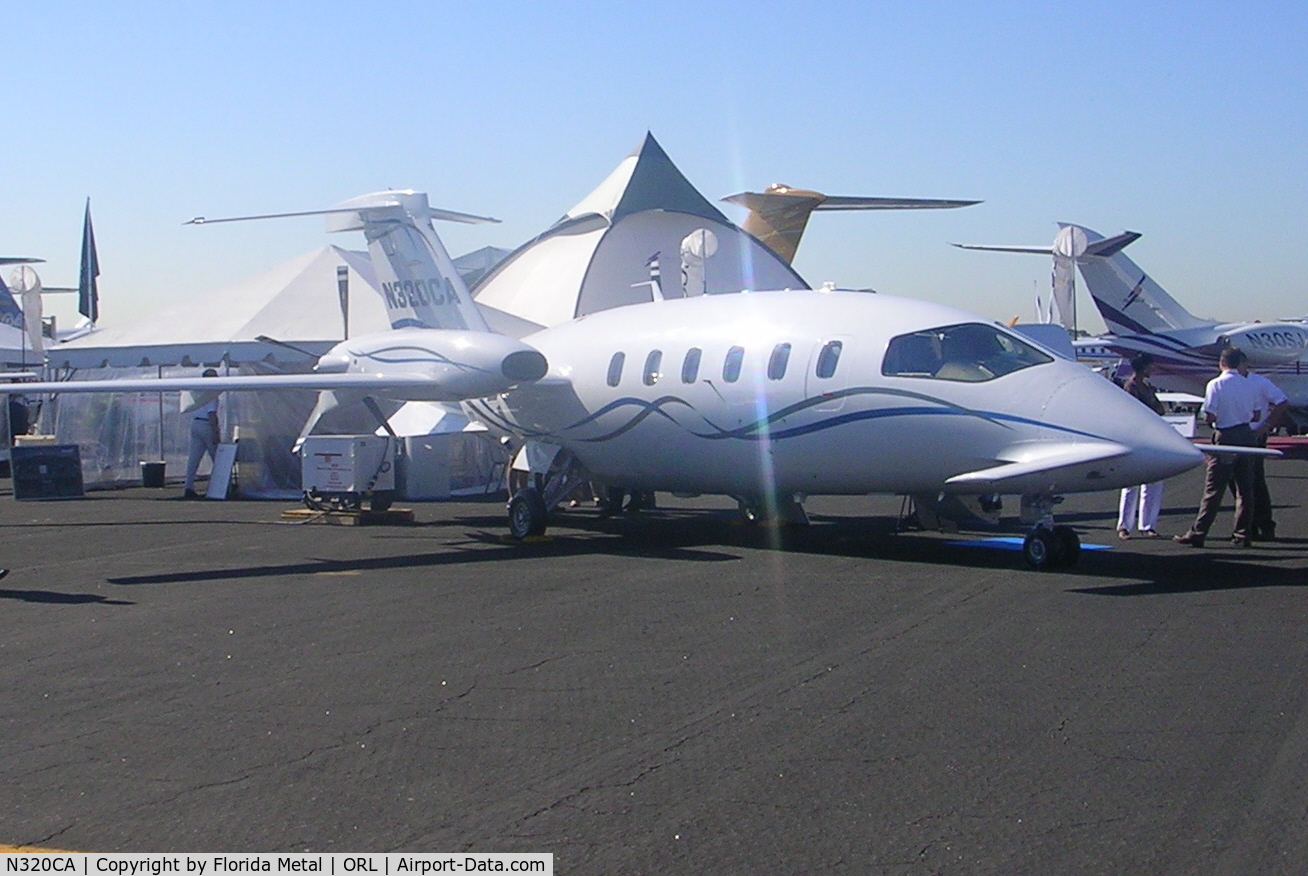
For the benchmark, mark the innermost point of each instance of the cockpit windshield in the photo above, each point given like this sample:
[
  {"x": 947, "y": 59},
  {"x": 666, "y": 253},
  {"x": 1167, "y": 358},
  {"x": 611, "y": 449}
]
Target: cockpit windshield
[{"x": 971, "y": 352}]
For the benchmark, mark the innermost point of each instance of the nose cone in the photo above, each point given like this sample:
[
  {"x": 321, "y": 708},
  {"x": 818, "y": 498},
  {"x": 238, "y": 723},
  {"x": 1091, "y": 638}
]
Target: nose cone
[
  {"x": 334, "y": 361},
  {"x": 1096, "y": 408}
]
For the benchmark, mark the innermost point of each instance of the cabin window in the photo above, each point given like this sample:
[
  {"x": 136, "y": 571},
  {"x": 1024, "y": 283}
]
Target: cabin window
[
  {"x": 731, "y": 367},
  {"x": 615, "y": 368},
  {"x": 777, "y": 362},
  {"x": 971, "y": 353},
  {"x": 652, "y": 364},
  {"x": 828, "y": 358},
  {"x": 690, "y": 365}
]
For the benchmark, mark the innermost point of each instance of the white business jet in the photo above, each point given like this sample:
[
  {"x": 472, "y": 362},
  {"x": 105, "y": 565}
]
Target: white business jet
[
  {"x": 1142, "y": 318},
  {"x": 764, "y": 396}
]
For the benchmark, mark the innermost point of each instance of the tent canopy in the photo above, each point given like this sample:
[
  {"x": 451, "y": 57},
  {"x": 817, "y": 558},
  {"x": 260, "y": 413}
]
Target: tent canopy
[{"x": 295, "y": 302}]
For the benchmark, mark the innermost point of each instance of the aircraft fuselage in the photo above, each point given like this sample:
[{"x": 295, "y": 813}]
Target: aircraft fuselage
[{"x": 820, "y": 393}]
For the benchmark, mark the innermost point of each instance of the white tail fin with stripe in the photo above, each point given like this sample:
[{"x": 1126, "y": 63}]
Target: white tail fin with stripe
[
  {"x": 1127, "y": 298},
  {"x": 420, "y": 285}
]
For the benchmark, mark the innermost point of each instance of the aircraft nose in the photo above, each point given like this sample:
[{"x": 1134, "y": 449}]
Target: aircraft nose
[{"x": 1098, "y": 407}]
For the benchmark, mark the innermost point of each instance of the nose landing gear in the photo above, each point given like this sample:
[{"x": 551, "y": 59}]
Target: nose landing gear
[
  {"x": 1051, "y": 548},
  {"x": 1047, "y": 546}
]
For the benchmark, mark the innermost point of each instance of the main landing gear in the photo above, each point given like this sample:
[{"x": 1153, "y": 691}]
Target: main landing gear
[
  {"x": 527, "y": 514},
  {"x": 529, "y": 506},
  {"x": 1047, "y": 546}
]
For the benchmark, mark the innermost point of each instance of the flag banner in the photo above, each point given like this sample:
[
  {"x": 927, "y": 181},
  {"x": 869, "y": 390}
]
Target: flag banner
[{"x": 88, "y": 296}]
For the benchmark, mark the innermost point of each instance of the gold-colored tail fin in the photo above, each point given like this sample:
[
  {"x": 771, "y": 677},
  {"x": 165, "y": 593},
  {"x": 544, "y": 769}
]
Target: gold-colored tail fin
[{"x": 779, "y": 214}]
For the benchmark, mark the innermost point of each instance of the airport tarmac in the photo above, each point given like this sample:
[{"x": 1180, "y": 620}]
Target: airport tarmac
[{"x": 675, "y": 694}]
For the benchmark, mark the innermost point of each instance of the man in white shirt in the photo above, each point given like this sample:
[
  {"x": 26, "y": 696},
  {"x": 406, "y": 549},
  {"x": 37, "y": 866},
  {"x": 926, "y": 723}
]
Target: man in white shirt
[
  {"x": 1230, "y": 405},
  {"x": 204, "y": 439},
  {"x": 1271, "y": 403}
]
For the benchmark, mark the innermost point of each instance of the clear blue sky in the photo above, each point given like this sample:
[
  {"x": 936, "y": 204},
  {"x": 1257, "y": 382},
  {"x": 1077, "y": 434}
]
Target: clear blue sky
[{"x": 1184, "y": 121}]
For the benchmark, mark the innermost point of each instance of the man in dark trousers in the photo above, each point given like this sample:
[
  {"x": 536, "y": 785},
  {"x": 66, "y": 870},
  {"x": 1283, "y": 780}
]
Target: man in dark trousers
[
  {"x": 1230, "y": 403},
  {"x": 1272, "y": 403}
]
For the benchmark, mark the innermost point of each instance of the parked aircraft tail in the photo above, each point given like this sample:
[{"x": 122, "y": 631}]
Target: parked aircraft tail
[
  {"x": 1127, "y": 298},
  {"x": 779, "y": 214},
  {"x": 419, "y": 283},
  {"x": 10, "y": 312},
  {"x": 418, "y": 280}
]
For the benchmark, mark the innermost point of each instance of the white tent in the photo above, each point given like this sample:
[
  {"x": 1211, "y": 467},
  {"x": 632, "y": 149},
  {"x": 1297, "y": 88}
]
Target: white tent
[
  {"x": 599, "y": 254},
  {"x": 296, "y": 307},
  {"x": 296, "y": 302}
]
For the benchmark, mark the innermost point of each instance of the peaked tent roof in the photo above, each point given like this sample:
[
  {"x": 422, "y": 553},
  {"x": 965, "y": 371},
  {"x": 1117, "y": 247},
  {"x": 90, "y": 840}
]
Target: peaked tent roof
[
  {"x": 644, "y": 180},
  {"x": 295, "y": 302},
  {"x": 601, "y": 253}
]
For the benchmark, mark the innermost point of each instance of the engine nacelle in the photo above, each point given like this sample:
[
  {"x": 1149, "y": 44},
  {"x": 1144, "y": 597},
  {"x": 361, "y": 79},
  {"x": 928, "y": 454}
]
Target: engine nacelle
[
  {"x": 459, "y": 364},
  {"x": 1273, "y": 343}
]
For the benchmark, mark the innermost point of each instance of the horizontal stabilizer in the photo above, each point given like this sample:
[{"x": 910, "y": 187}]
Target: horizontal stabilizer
[
  {"x": 1034, "y": 250},
  {"x": 1103, "y": 248},
  {"x": 778, "y": 214},
  {"x": 354, "y": 206},
  {"x": 1039, "y": 459},
  {"x": 1112, "y": 245},
  {"x": 843, "y": 202}
]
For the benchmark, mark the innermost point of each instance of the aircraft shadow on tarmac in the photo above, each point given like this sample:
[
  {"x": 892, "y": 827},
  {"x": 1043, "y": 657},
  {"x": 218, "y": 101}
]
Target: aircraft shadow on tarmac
[
  {"x": 711, "y": 536},
  {"x": 1174, "y": 569},
  {"x": 475, "y": 548},
  {"x": 50, "y": 597}
]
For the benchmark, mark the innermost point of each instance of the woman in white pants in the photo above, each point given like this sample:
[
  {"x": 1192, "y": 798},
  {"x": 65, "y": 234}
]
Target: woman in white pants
[
  {"x": 1143, "y": 503},
  {"x": 1147, "y": 498}
]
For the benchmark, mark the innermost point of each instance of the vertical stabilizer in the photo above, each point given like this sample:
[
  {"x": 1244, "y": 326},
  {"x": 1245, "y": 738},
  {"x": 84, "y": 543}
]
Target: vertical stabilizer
[
  {"x": 419, "y": 283},
  {"x": 1127, "y": 298},
  {"x": 10, "y": 313}
]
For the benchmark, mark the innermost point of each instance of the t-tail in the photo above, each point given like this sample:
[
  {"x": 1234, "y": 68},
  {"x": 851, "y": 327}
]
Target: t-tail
[
  {"x": 779, "y": 214},
  {"x": 10, "y": 313},
  {"x": 1127, "y": 298},
  {"x": 419, "y": 283}
]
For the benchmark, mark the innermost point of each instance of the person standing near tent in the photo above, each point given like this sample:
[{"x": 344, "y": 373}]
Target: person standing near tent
[{"x": 204, "y": 438}]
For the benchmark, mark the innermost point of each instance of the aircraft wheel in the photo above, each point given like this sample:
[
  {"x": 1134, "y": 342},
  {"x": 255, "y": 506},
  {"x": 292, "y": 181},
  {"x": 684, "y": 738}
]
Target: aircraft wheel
[
  {"x": 381, "y": 500},
  {"x": 1067, "y": 545},
  {"x": 527, "y": 514},
  {"x": 1040, "y": 549}
]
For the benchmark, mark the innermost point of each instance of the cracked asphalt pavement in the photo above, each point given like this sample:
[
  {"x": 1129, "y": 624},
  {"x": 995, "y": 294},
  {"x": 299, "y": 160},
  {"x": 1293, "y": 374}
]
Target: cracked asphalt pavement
[{"x": 680, "y": 693}]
